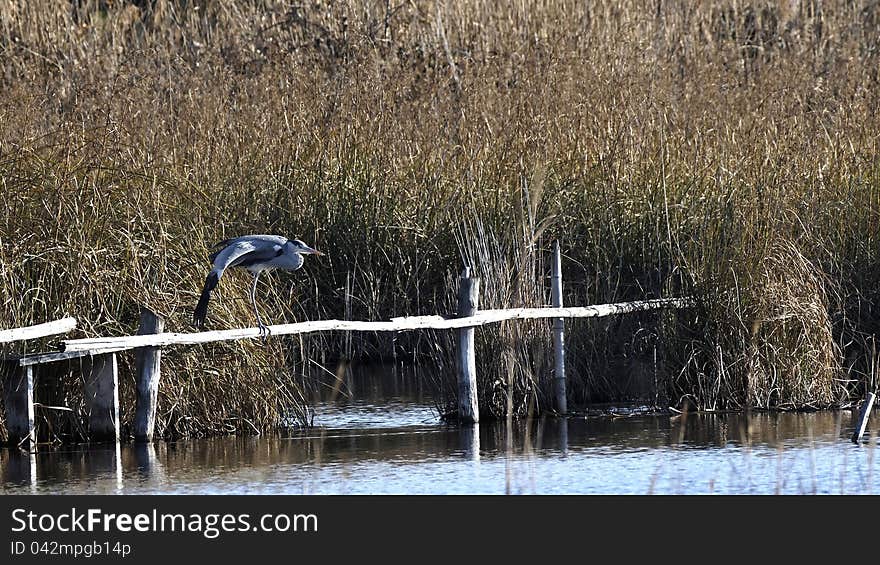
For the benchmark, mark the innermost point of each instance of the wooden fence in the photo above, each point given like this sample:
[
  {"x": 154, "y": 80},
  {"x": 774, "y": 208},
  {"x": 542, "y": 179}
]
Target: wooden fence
[{"x": 100, "y": 367}]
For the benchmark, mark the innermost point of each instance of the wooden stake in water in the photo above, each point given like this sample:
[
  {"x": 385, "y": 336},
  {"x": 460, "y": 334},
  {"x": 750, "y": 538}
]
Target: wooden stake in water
[
  {"x": 102, "y": 396},
  {"x": 348, "y": 351},
  {"x": 468, "y": 302},
  {"x": 18, "y": 400},
  {"x": 558, "y": 332},
  {"x": 863, "y": 417},
  {"x": 147, "y": 361}
]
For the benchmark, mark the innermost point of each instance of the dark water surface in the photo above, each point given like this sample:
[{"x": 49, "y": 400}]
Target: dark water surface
[{"x": 386, "y": 438}]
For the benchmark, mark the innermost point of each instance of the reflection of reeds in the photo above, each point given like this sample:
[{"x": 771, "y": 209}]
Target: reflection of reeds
[
  {"x": 719, "y": 150},
  {"x": 761, "y": 453}
]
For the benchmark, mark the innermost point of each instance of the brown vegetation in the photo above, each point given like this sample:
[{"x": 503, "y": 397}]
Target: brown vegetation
[{"x": 722, "y": 149}]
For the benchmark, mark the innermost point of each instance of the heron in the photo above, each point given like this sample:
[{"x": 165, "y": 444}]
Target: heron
[{"x": 256, "y": 253}]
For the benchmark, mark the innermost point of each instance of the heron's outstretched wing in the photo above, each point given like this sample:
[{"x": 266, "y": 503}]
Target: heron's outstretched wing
[
  {"x": 219, "y": 246},
  {"x": 246, "y": 252},
  {"x": 256, "y": 240}
]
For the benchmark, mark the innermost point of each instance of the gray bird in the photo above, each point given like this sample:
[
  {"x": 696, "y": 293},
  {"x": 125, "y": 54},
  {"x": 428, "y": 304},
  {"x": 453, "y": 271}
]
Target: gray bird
[{"x": 256, "y": 253}]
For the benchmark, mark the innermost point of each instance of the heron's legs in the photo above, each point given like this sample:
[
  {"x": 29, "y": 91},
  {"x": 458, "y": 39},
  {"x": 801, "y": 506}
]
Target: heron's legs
[{"x": 264, "y": 329}]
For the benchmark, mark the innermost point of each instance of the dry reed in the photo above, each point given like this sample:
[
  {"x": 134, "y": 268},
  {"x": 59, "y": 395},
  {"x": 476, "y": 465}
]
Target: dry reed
[{"x": 722, "y": 149}]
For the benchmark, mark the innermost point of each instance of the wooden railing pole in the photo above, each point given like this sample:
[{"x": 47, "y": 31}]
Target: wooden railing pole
[
  {"x": 55, "y": 327},
  {"x": 558, "y": 332},
  {"x": 18, "y": 400},
  {"x": 468, "y": 303},
  {"x": 102, "y": 396},
  {"x": 863, "y": 417},
  {"x": 147, "y": 360},
  {"x": 482, "y": 317}
]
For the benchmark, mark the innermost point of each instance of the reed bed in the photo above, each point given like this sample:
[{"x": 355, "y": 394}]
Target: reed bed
[{"x": 725, "y": 150}]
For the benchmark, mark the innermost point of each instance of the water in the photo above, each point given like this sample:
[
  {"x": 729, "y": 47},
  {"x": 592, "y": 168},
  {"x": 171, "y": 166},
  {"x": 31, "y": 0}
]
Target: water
[{"x": 383, "y": 436}]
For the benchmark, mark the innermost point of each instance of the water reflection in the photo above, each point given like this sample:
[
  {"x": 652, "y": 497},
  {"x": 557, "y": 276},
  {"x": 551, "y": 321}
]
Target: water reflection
[
  {"x": 470, "y": 441},
  {"x": 397, "y": 444},
  {"x": 146, "y": 463},
  {"x": 19, "y": 468},
  {"x": 762, "y": 453},
  {"x": 97, "y": 465},
  {"x": 563, "y": 435}
]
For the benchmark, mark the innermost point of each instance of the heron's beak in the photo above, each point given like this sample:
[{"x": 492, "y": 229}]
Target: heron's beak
[{"x": 316, "y": 252}]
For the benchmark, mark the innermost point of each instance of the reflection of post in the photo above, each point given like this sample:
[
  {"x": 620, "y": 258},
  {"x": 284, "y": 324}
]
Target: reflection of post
[
  {"x": 563, "y": 435},
  {"x": 32, "y": 468},
  {"x": 470, "y": 441},
  {"x": 105, "y": 463},
  {"x": 118, "y": 453},
  {"x": 147, "y": 464},
  {"x": 863, "y": 417},
  {"x": 145, "y": 455},
  {"x": 20, "y": 468}
]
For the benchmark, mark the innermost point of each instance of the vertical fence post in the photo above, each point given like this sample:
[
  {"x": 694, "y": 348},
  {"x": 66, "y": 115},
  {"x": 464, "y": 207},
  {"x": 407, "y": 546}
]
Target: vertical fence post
[
  {"x": 147, "y": 360},
  {"x": 558, "y": 332},
  {"x": 348, "y": 348},
  {"x": 102, "y": 396},
  {"x": 18, "y": 400},
  {"x": 863, "y": 417},
  {"x": 468, "y": 302}
]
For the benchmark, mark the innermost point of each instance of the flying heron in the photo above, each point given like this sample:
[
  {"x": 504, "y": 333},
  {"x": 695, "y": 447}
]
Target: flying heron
[{"x": 256, "y": 253}]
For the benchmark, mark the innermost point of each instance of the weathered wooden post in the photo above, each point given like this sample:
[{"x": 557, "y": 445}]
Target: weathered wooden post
[
  {"x": 348, "y": 349},
  {"x": 147, "y": 360},
  {"x": 468, "y": 302},
  {"x": 558, "y": 332},
  {"x": 102, "y": 396},
  {"x": 18, "y": 399},
  {"x": 863, "y": 417}
]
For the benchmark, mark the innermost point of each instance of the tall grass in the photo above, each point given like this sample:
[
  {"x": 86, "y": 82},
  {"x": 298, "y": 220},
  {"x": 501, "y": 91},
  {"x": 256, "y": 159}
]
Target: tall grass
[{"x": 726, "y": 150}]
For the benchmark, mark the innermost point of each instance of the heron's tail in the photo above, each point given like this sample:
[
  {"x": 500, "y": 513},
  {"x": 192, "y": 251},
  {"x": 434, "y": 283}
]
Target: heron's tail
[{"x": 202, "y": 307}]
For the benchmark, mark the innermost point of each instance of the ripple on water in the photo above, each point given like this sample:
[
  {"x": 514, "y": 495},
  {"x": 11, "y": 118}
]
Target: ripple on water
[
  {"x": 369, "y": 415},
  {"x": 401, "y": 447}
]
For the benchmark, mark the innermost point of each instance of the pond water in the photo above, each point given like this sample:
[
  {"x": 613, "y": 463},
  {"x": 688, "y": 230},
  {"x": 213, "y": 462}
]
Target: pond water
[{"x": 385, "y": 437}]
